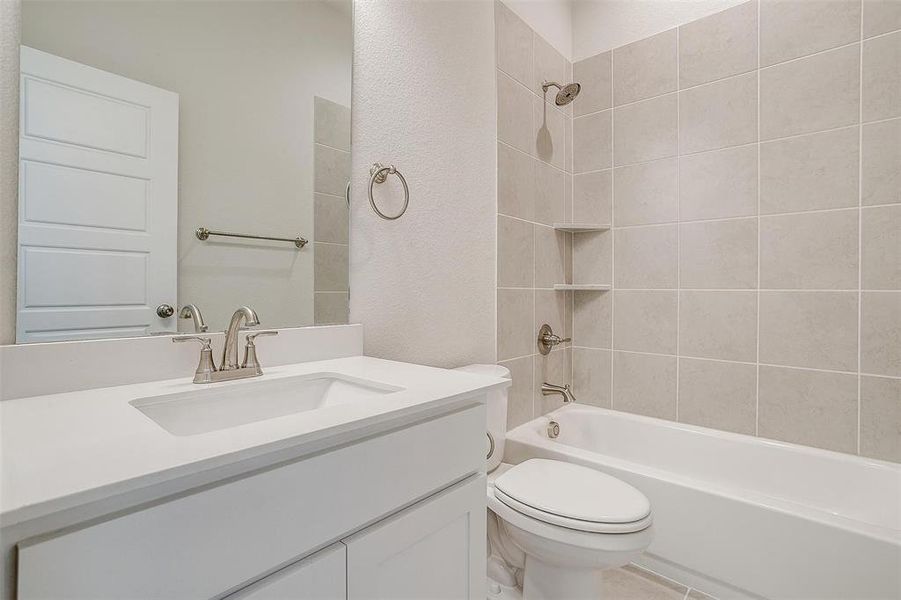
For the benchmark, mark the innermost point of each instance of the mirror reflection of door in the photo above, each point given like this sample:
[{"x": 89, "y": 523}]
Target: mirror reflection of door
[
  {"x": 98, "y": 172},
  {"x": 251, "y": 142}
]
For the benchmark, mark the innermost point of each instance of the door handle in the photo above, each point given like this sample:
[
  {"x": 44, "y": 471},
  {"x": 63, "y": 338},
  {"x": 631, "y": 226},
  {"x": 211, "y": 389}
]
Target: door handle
[{"x": 164, "y": 311}]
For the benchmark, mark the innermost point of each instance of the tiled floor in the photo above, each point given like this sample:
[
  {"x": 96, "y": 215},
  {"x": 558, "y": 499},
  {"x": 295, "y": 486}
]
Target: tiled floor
[{"x": 634, "y": 583}]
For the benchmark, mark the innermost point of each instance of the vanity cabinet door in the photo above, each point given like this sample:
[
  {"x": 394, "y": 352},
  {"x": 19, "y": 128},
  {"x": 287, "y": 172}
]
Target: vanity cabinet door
[
  {"x": 317, "y": 577},
  {"x": 435, "y": 549}
]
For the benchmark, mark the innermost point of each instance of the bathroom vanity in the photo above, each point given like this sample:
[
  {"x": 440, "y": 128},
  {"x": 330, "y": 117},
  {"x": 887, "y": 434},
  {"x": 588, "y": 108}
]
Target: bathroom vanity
[{"x": 350, "y": 477}]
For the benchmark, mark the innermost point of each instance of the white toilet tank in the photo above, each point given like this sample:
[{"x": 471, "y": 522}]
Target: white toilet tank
[{"x": 497, "y": 413}]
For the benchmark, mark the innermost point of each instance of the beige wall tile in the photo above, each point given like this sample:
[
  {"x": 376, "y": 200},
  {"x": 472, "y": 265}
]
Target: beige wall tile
[
  {"x": 515, "y": 253},
  {"x": 596, "y": 78},
  {"x": 633, "y": 583},
  {"x": 514, "y": 323},
  {"x": 646, "y": 193},
  {"x": 698, "y": 595},
  {"x": 645, "y": 130},
  {"x": 550, "y": 308},
  {"x": 553, "y": 368},
  {"x": 721, "y": 325},
  {"x": 881, "y": 248},
  {"x": 549, "y": 65},
  {"x": 645, "y": 257},
  {"x": 645, "y": 68},
  {"x": 593, "y": 258},
  {"x": 718, "y": 254},
  {"x": 329, "y": 267},
  {"x": 721, "y": 395},
  {"x": 881, "y": 16},
  {"x": 331, "y": 124},
  {"x": 550, "y": 189},
  {"x": 880, "y": 333},
  {"x": 880, "y": 418},
  {"x": 592, "y": 142},
  {"x": 331, "y": 170},
  {"x": 809, "y": 251},
  {"x": 718, "y": 184},
  {"x": 721, "y": 45},
  {"x": 514, "y": 114},
  {"x": 645, "y": 384},
  {"x": 592, "y": 325},
  {"x": 645, "y": 321},
  {"x": 718, "y": 114},
  {"x": 809, "y": 329},
  {"x": 793, "y": 28},
  {"x": 808, "y": 407},
  {"x": 881, "y": 163},
  {"x": 592, "y": 197},
  {"x": 568, "y": 197},
  {"x": 329, "y": 308},
  {"x": 591, "y": 376},
  {"x": 329, "y": 219},
  {"x": 515, "y": 183},
  {"x": 810, "y": 172},
  {"x": 514, "y": 44},
  {"x": 550, "y": 257},
  {"x": 549, "y": 134},
  {"x": 881, "y": 85},
  {"x": 519, "y": 395},
  {"x": 812, "y": 94},
  {"x": 568, "y": 144}
]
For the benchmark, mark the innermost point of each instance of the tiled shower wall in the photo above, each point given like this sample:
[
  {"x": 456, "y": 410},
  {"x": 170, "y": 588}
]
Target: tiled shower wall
[
  {"x": 750, "y": 164},
  {"x": 534, "y": 179},
  {"x": 331, "y": 172}
]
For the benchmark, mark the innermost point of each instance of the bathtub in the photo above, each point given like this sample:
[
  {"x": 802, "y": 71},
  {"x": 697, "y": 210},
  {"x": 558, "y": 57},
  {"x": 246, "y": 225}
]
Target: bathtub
[{"x": 738, "y": 516}]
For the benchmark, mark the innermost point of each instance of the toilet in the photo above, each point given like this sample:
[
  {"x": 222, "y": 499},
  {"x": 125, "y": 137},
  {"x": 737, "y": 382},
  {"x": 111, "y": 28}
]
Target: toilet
[{"x": 553, "y": 526}]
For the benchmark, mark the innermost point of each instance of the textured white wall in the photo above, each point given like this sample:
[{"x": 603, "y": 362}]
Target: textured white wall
[
  {"x": 9, "y": 164},
  {"x": 599, "y": 25},
  {"x": 551, "y": 19},
  {"x": 424, "y": 99}
]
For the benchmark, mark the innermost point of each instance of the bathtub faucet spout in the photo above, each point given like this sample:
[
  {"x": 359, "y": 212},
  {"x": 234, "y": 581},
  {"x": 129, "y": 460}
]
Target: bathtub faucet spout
[{"x": 549, "y": 389}]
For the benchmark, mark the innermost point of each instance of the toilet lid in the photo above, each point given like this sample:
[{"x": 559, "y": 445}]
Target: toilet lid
[{"x": 572, "y": 492}]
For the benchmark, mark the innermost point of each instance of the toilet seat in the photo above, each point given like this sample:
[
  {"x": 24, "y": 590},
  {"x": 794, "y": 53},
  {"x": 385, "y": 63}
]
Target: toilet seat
[{"x": 573, "y": 496}]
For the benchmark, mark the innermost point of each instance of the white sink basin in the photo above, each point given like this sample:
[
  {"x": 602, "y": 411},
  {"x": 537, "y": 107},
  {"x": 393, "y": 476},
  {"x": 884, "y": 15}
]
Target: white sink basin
[{"x": 220, "y": 406}]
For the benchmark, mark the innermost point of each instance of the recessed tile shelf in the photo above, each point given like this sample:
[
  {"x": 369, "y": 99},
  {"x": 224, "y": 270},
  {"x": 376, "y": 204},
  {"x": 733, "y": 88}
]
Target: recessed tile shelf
[
  {"x": 581, "y": 227},
  {"x": 587, "y": 287}
]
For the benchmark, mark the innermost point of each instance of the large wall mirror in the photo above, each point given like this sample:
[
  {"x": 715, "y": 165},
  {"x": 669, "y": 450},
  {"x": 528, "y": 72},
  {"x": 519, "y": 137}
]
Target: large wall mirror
[{"x": 149, "y": 129}]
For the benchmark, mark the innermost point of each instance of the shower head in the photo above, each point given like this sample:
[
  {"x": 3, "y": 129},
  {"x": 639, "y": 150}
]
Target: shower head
[{"x": 566, "y": 94}]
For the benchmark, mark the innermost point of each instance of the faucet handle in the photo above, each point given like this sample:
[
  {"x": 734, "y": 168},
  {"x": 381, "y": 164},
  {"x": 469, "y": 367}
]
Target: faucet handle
[
  {"x": 195, "y": 338},
  {"x": 250, "y": 336},
  {"x": 250, "y": 351},
  {"x": 206, "y": 366}
]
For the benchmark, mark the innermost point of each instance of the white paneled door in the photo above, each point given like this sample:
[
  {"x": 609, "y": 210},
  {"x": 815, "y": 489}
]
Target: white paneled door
[{"x": 98, "y": 178}]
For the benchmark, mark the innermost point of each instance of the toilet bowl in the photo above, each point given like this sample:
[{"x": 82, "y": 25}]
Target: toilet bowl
[{"x": 554, "y": 527}]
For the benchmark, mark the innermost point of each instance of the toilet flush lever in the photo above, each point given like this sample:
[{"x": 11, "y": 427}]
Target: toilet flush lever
[{"x": 547, "y": 339}]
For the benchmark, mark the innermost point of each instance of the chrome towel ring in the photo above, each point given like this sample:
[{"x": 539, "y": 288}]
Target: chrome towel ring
[{"x": 378, "y": 174}]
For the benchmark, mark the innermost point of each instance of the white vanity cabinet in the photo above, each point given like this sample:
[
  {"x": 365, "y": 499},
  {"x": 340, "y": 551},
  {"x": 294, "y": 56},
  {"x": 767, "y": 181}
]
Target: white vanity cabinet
[
  {"x": 431, "y": 551},
  {"x": 399, "y": 515},
  {"x": 317, "y": 577}
]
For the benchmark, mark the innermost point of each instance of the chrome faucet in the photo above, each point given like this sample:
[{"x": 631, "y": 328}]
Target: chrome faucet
[
  {"x": 230, "y": 350},
  {"x": 229, "y": 369},
  {"x": 191, "y": 311},
  {"x": 549, "y": 389}
]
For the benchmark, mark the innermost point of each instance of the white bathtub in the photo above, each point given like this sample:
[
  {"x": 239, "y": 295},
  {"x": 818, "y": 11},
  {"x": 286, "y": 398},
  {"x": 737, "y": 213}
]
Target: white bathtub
[{"x": 738, "y": 516}]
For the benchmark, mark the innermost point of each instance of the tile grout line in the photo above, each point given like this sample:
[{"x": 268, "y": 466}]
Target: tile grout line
[
  {"x": 757, "y": 320},
  {"x": 678, "y": 220},
  {"x": 612, "y": 232},
  {"x": 859, "y": 216}
]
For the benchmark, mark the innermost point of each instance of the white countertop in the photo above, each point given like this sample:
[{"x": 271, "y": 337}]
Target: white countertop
[{"x": 62, "y": 451}]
